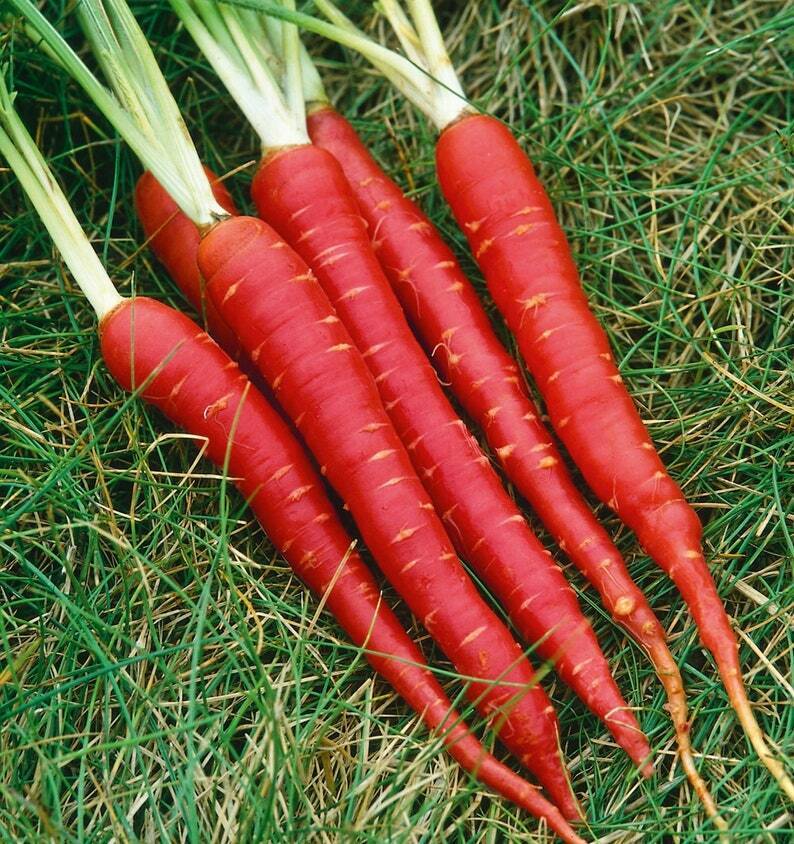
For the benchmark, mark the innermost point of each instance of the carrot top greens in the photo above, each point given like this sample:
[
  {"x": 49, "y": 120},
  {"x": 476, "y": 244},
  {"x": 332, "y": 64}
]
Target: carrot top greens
[
  {"x": 29, "y": 166},
  {"x": 141, "y": 108}
]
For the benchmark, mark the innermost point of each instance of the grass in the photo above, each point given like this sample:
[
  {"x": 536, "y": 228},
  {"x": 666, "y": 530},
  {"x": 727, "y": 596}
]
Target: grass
[{"x": 163, "y": 677}]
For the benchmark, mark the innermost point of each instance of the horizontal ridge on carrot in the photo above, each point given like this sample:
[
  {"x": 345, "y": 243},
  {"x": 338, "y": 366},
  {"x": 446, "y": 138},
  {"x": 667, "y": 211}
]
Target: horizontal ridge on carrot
[
  {"x": 173, "y": 364},
  {"x": 287, "y": 327},
  {"x": 508, "y": 219},
  {"x": 301, "y": 191}
]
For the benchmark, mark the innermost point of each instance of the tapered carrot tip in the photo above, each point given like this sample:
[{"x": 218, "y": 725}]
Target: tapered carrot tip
[
  {"x": 738, "y": 697},
  {"x": 536, "y": 804}
]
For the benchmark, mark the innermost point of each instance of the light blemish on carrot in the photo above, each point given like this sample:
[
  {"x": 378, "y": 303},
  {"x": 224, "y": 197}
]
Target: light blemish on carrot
[
  {"x": 299, "y": 212},
  {"x": 483, "y": 247},
  {"x": 258, "y": 351},
  {"x": 232, "y": 289},
  {"x": 393, "y": 481},
  {"x": 373, "y": 350},
  {"x": 405, "y": 533},
  {"x": 420, "y": 226},
  {"x": 624, "y": 605},
  {"x": 353, "y": 292},
  {"x": 372, "y": 427},
  {"x": 217, "y": 406},
  {"x": 580, "y": 666},
  {"x": 546, "y": 334},
  {"x": 409, "y": 565},
  {"x": 380, "y": 455},
  {"x": 521, "y": 230},
  {"x": 305, "y": 235},
  {"x": 332, "y": 259},
  {"x": 384, "y": 375},
  {"x": 475, "y": 634},
  {"x": 279, "y": 473},
  {"x": 299, "y": 492},
  {"x": 177, "y": 387}
]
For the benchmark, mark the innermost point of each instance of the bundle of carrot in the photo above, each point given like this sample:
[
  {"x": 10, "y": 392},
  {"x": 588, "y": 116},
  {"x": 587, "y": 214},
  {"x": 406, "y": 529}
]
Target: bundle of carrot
[
  {"x": 507, "y": 217},
  {"x": 289, "y": 330},
  {"x": 319, "y": 300},
  {"x": 170, "y": 362},
  {"x": 301, "y": 190}
]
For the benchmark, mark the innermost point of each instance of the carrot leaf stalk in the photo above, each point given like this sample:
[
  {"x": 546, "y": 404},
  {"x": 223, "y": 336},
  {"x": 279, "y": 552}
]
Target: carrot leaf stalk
[
  {"x": 53, "y": 207},
  {"x": 141, "y": 103}
]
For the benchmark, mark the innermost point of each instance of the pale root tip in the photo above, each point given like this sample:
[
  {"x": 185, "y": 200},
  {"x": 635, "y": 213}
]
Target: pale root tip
[{"x": 741, "y": 704}]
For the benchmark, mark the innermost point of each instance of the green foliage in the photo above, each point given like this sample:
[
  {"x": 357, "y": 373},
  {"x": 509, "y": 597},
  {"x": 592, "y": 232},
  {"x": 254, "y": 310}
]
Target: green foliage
[{"x": 163, "y": 677}]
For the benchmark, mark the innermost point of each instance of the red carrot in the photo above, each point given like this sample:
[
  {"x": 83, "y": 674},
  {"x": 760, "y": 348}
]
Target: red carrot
[
  {"x": 446, "y": 311},
  {"x": 177, "y": 367},
  {"x": 302, "y": 192},
  {"x": 173, "y": 364},
  {"x": 494, "y": 193},
  {"x": 288, "y": 328}
]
